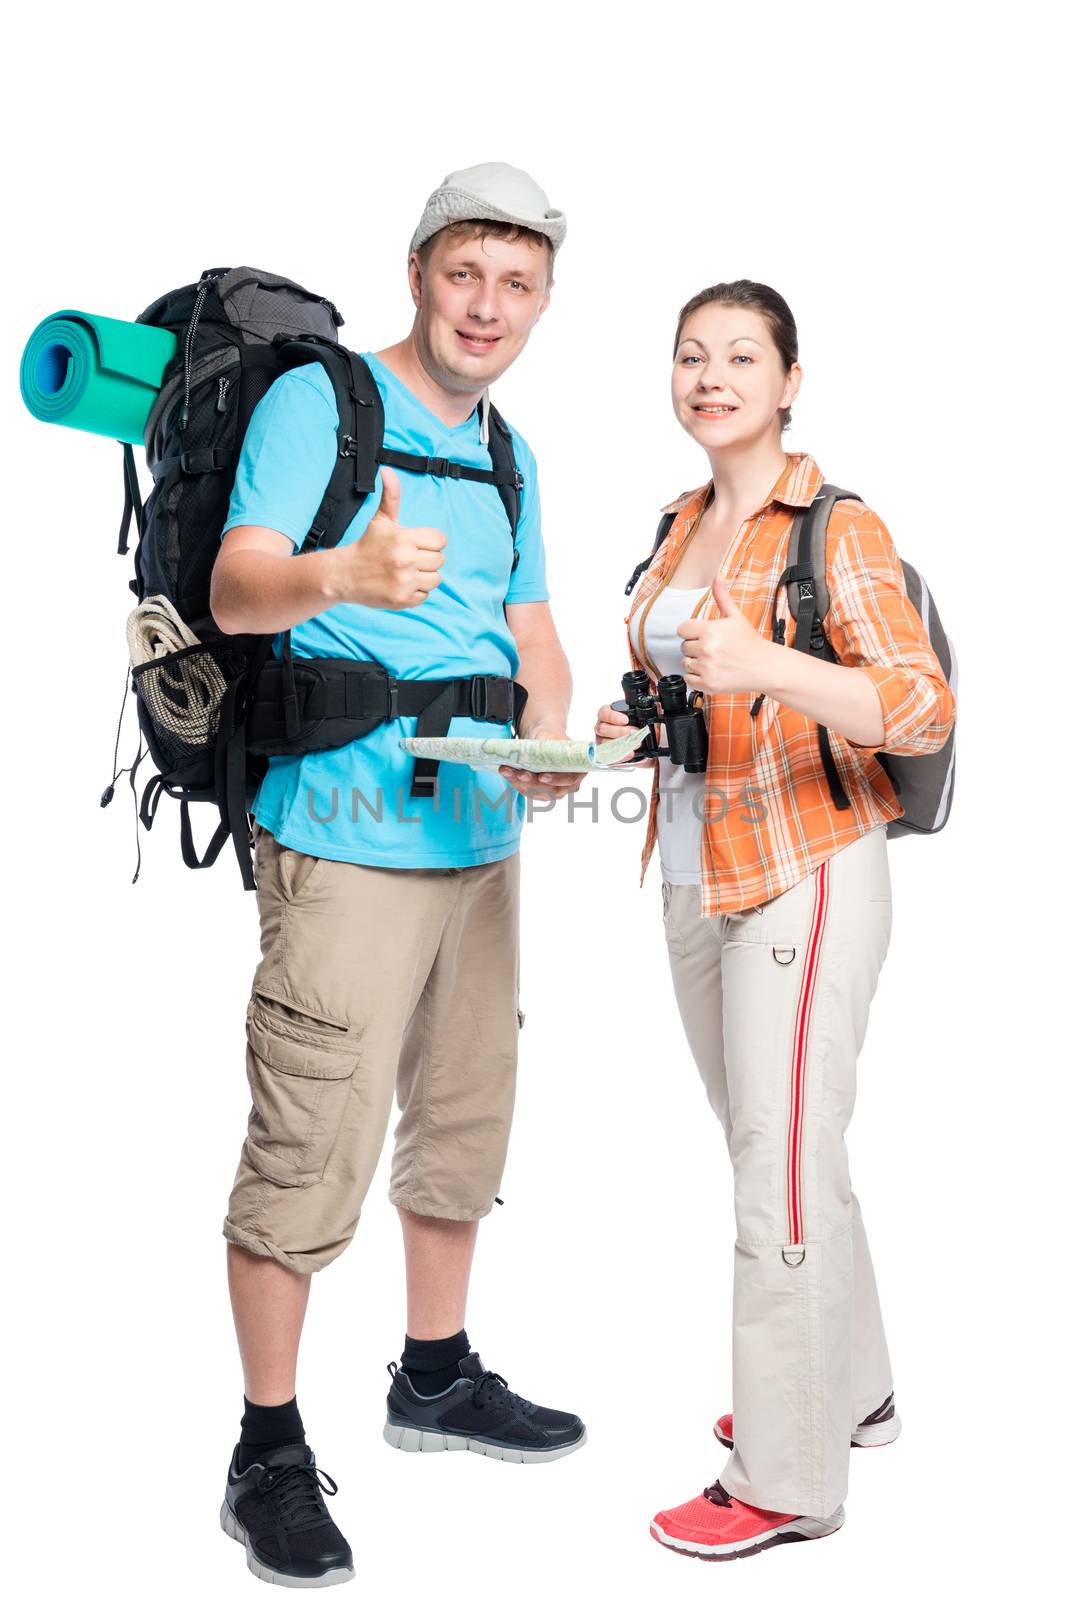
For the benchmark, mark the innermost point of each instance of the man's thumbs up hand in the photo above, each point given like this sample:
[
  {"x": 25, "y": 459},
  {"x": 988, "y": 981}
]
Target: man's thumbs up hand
[
  {"x": 389, "y": 505},
  {"x": 390, "y": 567}
]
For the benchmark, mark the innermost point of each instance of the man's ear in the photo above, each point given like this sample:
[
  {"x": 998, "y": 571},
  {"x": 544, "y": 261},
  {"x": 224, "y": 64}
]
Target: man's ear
[
  {"x": 415, "y": 277},
  {"x": 544, "y": 304}
]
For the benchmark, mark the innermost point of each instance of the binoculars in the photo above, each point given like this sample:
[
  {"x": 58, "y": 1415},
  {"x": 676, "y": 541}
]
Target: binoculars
[{"x": 682, "y": 715}]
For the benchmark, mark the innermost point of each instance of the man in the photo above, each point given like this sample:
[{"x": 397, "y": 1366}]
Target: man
[{"x": 389, "y": 924}]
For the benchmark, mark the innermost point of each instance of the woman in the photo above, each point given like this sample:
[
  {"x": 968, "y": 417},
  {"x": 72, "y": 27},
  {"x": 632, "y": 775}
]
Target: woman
[{"x": 777, "y": 906}]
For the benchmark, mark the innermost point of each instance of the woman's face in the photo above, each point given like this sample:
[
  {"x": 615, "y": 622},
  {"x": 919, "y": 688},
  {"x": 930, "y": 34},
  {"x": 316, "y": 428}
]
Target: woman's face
[{"x": 728, "y": 386}]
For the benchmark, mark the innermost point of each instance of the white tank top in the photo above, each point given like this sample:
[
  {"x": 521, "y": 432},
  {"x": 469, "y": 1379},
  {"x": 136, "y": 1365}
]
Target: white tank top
[{"x": 680, "y": 815}]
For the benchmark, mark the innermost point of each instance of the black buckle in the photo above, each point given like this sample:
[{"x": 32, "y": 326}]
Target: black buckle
[
  {"x": 204, "y": 460},
  {"x": 480, "y": 699},
  {"x": 491, "y": 699},
  {"x": 519, "y": 479},
  {"x": 636, "y": 574},
  {"x": 370, "y": 694},
  {"x": 346, "y": 445},
  {"x": 438, "y": 467}
]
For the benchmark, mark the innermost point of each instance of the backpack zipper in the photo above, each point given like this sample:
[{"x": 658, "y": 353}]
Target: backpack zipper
[
  {"x": 220, "y": 404},
  {"x": 190, "y": 334},
  {"x": 320, "y": 299}
]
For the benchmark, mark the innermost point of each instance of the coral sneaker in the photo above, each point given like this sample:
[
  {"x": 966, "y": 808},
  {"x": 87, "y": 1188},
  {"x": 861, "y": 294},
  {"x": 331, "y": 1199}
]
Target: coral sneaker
[
  {"x": 882, "y": 1427},
  {"x": 716, "y": 1528}
]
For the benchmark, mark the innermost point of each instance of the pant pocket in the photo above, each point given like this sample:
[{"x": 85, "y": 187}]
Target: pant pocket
[
  {"x": 676, "y": 943},
  {"x": 745, "y": 927},
  {"x": 296, "y": 871},
  {"x": 289, "y": 872},
  {"x": 299, "y": 1070}
]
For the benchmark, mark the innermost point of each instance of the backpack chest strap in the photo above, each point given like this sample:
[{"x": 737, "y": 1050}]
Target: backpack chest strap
[{"x": 439, "y": 467}]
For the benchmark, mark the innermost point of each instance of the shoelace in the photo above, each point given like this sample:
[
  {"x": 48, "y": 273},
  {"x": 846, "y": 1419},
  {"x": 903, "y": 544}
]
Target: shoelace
[
  {"x": 298, "y": 1487},
  {"x": 499, "y": 1397}
]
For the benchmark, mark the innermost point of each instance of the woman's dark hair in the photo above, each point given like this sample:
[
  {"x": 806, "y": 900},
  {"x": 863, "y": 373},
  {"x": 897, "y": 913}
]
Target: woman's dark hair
[{"x": 756, "y": 297}]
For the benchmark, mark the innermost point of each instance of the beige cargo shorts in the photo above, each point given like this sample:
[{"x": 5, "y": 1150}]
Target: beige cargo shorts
[{"x": 374, "y": 981}]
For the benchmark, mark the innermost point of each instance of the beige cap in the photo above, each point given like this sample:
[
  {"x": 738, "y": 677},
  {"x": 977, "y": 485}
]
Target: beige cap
[{"x": 491, "y": 192}]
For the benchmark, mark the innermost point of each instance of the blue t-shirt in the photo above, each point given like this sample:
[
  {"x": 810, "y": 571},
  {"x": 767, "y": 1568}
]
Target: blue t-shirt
[{"x": 354, "y": 804}]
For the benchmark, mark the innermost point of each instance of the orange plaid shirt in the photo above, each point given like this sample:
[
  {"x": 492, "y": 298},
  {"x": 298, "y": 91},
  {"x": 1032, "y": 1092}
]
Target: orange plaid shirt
[{"x": 769, "y": 816}]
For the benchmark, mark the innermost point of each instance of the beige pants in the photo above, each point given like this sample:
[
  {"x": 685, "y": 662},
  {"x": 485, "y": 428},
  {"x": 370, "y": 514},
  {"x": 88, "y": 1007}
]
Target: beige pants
[
  {"x": 374, "y": 981},
  {"x": 774, "y": 1001}
]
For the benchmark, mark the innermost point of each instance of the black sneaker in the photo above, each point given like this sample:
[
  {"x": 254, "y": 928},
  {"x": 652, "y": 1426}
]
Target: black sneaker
[
  {"x": 275, "y": 1509},
  {"x": 478, "y": 1412}
]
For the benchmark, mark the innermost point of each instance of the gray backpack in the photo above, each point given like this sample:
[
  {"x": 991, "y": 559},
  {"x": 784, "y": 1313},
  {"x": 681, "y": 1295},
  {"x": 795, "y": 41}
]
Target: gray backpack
[{"x": 923, "y": 784}]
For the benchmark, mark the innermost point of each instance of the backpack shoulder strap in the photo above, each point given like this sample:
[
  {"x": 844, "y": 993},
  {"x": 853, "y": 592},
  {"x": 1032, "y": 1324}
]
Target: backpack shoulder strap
[
  {"x": 663, "y": 528},
  {"x": 806, "y": 572},
  {"x": 360, "y": 431},
  {"x": 805, "y": 578},
  {"x": 508, "y": 478}
]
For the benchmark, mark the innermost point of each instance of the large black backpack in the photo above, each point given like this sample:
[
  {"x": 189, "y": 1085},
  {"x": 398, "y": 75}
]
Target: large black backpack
[
  {"x": 922, "y": 784},
  {"x": 212, "y": 713}
]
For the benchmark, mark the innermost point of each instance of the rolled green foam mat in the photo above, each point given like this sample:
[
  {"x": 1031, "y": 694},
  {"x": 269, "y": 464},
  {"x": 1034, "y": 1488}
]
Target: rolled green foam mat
[{"x": 95, "y": 373}]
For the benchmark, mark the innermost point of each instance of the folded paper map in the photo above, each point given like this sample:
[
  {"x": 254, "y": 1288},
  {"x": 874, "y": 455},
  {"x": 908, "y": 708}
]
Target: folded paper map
[{"x": 529, "y": 755}]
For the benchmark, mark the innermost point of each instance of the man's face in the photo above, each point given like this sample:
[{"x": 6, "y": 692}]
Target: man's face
[{"x": 477, "y": 301}]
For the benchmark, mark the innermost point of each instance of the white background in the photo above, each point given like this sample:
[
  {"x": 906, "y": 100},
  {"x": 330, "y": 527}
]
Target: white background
[{"x": 891, "y": 171}]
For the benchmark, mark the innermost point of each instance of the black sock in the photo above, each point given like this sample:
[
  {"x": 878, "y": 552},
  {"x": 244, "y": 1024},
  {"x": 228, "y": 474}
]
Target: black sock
[
  {"x": 432, "y": 1364},
  {"x": 267, "y": 1428}
]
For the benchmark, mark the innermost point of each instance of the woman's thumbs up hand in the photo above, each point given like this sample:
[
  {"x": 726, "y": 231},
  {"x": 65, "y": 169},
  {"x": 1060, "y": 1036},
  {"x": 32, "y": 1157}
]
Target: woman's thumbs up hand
[
  {"x": 725, "y": 654},
  {"x": 722, "y": 596}
]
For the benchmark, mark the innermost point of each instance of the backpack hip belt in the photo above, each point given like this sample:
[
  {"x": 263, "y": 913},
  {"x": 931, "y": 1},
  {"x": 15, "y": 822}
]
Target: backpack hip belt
[
  {"x": 323, "y": 702},
  {"x": 296, "y": 705}
]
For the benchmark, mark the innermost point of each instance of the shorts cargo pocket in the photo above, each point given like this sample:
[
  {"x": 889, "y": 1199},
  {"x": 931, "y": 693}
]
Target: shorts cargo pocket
[{"x": 299, "y": 1070}]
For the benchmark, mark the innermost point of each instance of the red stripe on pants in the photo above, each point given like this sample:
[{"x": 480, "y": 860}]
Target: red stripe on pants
[{"x": 800, "y": 1056}]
